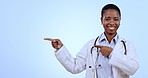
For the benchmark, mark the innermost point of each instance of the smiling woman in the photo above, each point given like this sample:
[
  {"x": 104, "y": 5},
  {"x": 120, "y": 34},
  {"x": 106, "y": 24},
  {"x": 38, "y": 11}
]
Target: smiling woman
[{"x": 109, "y": 54}]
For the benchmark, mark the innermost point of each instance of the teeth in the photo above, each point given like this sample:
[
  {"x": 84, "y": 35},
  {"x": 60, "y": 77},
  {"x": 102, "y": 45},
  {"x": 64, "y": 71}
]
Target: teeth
[{"x": 111, "y": 28}]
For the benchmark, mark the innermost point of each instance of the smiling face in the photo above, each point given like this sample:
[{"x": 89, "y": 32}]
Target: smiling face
[{"x": 111, "y": 21}]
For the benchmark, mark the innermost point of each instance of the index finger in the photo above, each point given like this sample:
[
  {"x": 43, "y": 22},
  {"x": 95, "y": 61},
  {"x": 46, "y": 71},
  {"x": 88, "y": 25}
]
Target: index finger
[
  {"x": 98, "y": 46},
  {"x": 49, "y": 39}
]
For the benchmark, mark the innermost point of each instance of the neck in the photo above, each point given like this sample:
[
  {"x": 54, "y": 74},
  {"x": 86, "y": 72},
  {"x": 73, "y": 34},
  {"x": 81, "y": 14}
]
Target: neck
[{"x": 110, "y": 36}]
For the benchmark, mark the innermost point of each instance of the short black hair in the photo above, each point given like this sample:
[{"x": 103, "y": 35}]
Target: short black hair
[{"x": 110, "y": 6}]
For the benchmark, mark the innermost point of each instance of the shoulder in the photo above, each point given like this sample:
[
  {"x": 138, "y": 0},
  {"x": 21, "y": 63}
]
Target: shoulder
[
  {"x": 126, "y": 41},
  {"x": 90, "y": 42}
]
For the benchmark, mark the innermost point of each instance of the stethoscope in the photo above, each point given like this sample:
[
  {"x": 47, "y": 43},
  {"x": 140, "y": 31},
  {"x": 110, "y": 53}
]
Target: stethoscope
[
  {"x": 95, "y": 46},
  {"x": 95, "y": 64}
]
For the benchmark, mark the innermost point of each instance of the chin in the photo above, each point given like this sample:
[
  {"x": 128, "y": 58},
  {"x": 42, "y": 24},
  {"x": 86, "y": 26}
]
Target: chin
[{"x": 111, "y": 33}]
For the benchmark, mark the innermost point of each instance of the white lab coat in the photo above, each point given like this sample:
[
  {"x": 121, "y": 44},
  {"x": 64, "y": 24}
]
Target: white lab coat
[{"x": 122, "y": 65}]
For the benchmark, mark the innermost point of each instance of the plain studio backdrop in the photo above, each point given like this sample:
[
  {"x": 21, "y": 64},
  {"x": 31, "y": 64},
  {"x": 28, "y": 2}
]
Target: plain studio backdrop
[{"x": 24, "y": 24}]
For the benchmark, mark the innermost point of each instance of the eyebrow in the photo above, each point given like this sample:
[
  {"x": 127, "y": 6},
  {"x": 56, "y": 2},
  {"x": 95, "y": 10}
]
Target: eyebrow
[{"x": 114, "y": 17}]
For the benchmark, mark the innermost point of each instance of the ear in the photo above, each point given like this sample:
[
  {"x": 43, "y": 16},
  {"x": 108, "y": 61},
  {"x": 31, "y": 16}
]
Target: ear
[{"x": 101, "y": 20}]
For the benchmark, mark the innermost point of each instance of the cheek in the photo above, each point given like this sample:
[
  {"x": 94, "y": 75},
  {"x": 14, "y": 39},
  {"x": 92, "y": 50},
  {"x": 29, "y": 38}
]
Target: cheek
[
  {"x": 104, "y": 23},
  {"x": 118, "y": 24}
]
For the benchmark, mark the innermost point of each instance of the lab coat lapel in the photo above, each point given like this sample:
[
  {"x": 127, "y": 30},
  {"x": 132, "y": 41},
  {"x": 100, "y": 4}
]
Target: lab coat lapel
[
  {"x": 119, "y": 47},
  {"x": 94, "y": 55}
]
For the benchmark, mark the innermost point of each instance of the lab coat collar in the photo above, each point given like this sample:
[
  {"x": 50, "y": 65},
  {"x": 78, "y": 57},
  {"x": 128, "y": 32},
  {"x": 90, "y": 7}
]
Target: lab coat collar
[{"x": 103, "y": 37}]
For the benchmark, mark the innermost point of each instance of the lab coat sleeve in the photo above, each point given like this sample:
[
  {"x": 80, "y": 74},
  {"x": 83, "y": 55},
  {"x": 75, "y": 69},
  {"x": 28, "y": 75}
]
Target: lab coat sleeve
[
  {"x": 126, "y": 63},
  {"x": 71, "y": 64}
]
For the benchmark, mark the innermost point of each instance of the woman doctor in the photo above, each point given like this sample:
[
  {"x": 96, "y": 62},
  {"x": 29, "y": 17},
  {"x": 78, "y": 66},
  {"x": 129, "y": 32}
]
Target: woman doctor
[{"x": 107, "y": 56}]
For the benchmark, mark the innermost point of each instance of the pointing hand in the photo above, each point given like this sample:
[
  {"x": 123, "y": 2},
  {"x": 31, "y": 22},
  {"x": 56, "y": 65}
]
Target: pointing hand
[
  {"x": 56, "y": 43},
  {"x": 105, "y": 50}
]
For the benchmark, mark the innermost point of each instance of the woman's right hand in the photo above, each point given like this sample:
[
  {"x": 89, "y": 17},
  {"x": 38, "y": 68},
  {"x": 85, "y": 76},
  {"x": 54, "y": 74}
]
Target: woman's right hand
[{"x": 56, "y": 43}]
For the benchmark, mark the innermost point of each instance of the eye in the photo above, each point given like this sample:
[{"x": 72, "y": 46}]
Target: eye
[
  {"x": 116, "y": 18},
  {"x": 107, "y": 18}
]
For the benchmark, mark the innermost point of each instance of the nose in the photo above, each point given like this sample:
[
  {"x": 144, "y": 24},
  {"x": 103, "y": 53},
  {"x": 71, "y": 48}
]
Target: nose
[{"x": 112, "y": 22}]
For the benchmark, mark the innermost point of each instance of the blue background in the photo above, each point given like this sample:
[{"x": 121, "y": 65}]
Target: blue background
[{"x": 24, "y": 24}]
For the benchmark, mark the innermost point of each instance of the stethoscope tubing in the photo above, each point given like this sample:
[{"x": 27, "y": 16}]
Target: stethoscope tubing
[{"x": 95, "y": 46}]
